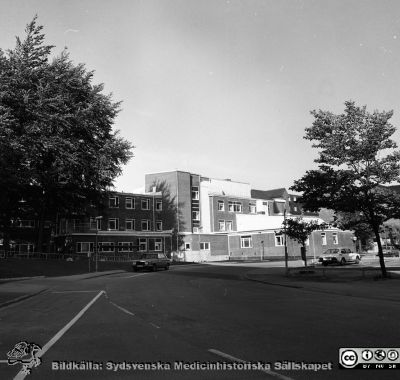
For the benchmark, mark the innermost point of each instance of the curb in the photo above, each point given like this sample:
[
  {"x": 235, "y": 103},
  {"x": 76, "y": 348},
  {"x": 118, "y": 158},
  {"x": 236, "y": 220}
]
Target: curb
[
  {"x": 273, "y": 283},
  {"x": 8, "y": 279},
  {"x": 21, "y": 298},
  {"x": 103, "y": 274}
]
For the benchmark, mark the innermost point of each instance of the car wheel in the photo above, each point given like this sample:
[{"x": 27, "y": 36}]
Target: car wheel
[
  {"x": 154, "y": 268},
  {"x": 325, "y": 264},
  {"x": 134, "y": 269},
  {"x": 343, "y": 261},
  {"x": 358, "y": 259},
  {"x": 167, "y": 267}
]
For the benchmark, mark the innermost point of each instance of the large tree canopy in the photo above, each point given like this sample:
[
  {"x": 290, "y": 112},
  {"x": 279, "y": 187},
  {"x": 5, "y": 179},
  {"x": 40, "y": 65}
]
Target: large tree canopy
[
  {"x": 357, "y": 158},
  {"x": 57, "y": 145}
]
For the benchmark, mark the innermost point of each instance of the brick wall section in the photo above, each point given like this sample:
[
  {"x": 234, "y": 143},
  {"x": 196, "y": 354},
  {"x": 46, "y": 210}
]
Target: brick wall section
[
  {"x": 218, "y": 243},
  {"x": 180, "y": 187},
  {"x": 137, "y": 213},
  {"x": 227, "y": 215}
]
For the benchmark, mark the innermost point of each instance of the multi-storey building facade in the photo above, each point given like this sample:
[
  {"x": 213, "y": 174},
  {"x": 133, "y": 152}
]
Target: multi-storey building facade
[
  {"x": 126, "y": 224},
  {"x": 221, "y": 219}
]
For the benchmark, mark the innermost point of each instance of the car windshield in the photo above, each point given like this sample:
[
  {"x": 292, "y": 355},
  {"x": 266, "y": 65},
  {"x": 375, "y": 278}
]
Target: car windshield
[
  {"x": 331, "y": 251},
  {"x": 148, "y": 256}
]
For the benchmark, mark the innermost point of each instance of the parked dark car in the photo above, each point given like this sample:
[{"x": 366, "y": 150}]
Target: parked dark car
[{"x": 151, "y": 261}]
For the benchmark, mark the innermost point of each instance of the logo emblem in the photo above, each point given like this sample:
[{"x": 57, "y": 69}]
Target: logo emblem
[
  {"x": 348, "y": 358},
  {"x": 367, "y": 355},
  {"x": 25, "y": 353},
  {"x": 393, "y": 355},
  {"x": 380, "y": 355}
]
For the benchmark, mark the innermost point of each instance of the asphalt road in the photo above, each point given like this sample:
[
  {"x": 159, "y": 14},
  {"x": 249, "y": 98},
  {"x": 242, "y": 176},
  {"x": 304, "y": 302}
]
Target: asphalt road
[{"x": 193, "y": 315}]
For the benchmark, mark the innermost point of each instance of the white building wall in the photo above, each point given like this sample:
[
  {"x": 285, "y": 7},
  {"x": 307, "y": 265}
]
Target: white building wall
[
  {"x": 232, "y": 188},
  {"x": 205, "y": 213},
  {"x": 249, "y": 222},
  {"x": 261, "y": 207}
]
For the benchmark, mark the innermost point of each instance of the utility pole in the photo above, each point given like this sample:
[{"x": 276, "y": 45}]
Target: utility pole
[{"x": 284, "y": 231}]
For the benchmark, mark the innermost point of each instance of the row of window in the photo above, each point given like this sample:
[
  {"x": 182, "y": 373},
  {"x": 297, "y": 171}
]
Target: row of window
[
  {"x": 204, "y": 246},
  {"x": 130, "y": 203},
  {"x": 235, "y": 206},
  {"x": 152, "y": 244},
  {"x": 113, "y": 224},
  {"x": 247, "y": 241}
]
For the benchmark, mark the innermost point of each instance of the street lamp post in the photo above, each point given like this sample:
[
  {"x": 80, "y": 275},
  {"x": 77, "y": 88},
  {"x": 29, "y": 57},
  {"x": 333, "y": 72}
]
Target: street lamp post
[
  {"x": 284, "y": 231},
  {"x": 96, "y": 243}
]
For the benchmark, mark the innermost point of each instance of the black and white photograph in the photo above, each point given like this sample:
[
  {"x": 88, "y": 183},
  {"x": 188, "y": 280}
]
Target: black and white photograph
[{"x": 199, "y": 189}]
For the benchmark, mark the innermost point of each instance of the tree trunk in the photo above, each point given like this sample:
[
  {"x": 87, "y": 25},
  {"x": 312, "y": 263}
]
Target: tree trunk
[
  {"x": 380, "y": 251},
  {"x": 305, "y": 254}
]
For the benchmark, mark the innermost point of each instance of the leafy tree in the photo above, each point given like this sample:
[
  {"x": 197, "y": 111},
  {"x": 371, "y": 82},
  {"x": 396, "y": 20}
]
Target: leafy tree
[
  {"x": 356, "y": 223},
  {"x": 300, "y": 230},
  {"x": 57, "y": 146},
  {"x": 357, "y": 157}
]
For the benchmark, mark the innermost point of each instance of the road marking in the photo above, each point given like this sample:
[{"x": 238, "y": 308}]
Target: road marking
[
  {"x": 233, "y": 359},
  {"x": 21, "y": 375},
  {"x": 157, "y": 327},
  {"x": 133, "y": 275},
  {"x": 75, "y": 291},
  {"x": 121, "y": 308}
]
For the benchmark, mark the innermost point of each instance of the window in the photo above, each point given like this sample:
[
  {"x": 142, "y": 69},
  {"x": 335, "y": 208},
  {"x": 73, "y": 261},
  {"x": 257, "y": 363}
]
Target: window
[
  {"x": 252, "y": 208},
  {"x": 92, "y": 223},
  {"x": 221, "y": 225},
  {"x": 246, "y": 242},
  {"x": 145, "y": 204},
  {"x": 158, "y": 205},
  {"x": 234, "y": 206},
  {"x": 294, "y": 199},
  {"x": 95, "y": 223},
  {"x": 125, "y": 247},
  {"x": 205, "y": 246},
  {"x": 25, "y": 223},
  {"x": 113, "y": 224},
  {"x": 114, "y": 202},
  {"x": 142, "y": 245},
  {"x": 195, "y": 192},
  {"x": 221, "y": 206},
  {"x": 106, "y": 247},
  {"x": 187, "y": 247},
  {"x": 145, "y": 225},
  {"x": 84, "y": 247},
  {"x": 308, "y": 241},
  {"x": 335, "y": 238},
  {"x": 229, "y": 225},
  {"x": 323, "y": 237},
  {"x": 279, "y": 240},
  {"x": 129, "y": 202},
  {"x": 129, "y": 224},
  {"x": 158, "y": 225},
  {"x": 158, "y": 246},
  {"x": 195, "y": 215},
  {"x": 196, "y": 230}
]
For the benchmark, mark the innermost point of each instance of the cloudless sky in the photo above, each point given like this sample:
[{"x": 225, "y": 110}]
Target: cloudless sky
[{"x": 224, "y": 88}]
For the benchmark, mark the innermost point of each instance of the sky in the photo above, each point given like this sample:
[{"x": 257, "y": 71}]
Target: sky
[{"x": 224, "y": 88}]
